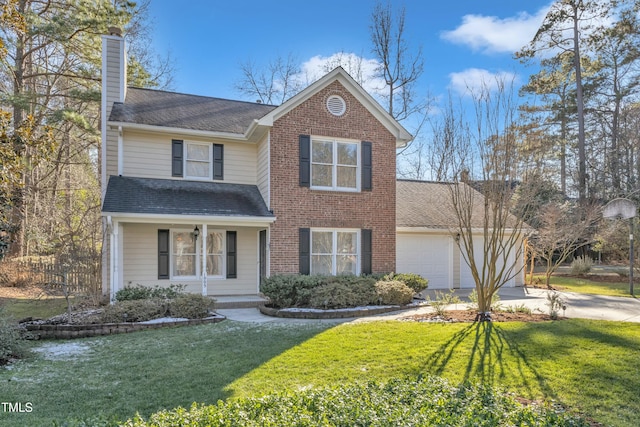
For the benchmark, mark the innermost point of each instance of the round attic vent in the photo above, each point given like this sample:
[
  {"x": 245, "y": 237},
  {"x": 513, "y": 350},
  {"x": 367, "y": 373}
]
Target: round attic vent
[{"x": 336, "y": 105}]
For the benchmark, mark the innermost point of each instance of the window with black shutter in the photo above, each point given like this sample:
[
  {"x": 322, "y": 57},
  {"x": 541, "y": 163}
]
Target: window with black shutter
[
  {"x": 218, "y": 164},
  {"x": 176, "y": 157},
  {"x": 163, "y": 254},
  {"x": 367, "y": 252},
  {"x": 232, "y": 255},
  {"x": 305, "y": 160},
  {"x": 304, "y": 245},
  {"x": 367, "y": 166}
]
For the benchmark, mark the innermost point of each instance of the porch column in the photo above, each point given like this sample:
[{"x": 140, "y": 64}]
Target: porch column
[
  {"x": 114, "y": 242},
  {"x": 204, "y": 259}
]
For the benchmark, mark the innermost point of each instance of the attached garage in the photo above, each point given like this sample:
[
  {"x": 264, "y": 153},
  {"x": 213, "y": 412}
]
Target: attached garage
[{"x": 425, "y": 242}]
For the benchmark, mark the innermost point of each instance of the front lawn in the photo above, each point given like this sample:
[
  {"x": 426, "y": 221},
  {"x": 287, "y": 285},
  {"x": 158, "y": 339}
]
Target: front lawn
[
  {"x": 596, "y": 285},
  {"x": 587, "y": 365}
]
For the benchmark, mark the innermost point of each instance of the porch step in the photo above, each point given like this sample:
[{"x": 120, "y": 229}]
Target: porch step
[{"x": 239, "y": 301}]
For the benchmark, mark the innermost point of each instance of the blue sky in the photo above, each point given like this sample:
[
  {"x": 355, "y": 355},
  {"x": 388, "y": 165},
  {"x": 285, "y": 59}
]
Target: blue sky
[{"x": 463, "y": 41}]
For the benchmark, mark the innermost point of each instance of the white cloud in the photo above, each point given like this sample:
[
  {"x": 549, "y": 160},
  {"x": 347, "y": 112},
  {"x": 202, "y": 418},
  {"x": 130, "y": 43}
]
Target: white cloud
[
  {"x": 362, "y": 70},
  {"x": 491, "y": 34},
  {"x": 474, "y": 80}
]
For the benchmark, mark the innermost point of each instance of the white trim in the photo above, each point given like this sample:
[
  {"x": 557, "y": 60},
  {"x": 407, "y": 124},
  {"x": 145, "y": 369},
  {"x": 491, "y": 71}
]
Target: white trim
[
  {"x": 204, "y": 234},
  {"x": 120, "y": 151},
  {"x": 238, "y": 137},
  {"x": 119, "y": 257},
  {"x": 188, "y": 219},
  {"x": 112, "y": 296},
  {"x": 269, "y": 170},
  {"x": 103, "y": 120}
]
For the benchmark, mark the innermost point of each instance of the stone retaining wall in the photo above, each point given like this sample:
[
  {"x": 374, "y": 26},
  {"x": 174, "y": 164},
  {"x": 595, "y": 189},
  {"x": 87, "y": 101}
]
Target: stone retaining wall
[{"x": 84, "y": 331}]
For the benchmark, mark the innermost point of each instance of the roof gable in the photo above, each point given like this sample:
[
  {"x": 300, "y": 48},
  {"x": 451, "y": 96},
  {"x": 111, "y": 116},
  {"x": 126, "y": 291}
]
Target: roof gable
[{"x": 339, "y": 74}]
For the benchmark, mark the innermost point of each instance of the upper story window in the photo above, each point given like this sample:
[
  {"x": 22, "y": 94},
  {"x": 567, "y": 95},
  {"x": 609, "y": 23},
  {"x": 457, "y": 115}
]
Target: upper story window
[
  {"x": 335, "y": 165},
  {"x": 197, "y": 160}
]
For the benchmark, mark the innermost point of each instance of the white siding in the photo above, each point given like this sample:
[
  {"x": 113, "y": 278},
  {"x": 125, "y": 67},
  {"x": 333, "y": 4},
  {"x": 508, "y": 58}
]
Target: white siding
[
  {"x": 148, "y": 155},
  {"x": 141, "y": 261},
  {"x": 263, "y": 169}
]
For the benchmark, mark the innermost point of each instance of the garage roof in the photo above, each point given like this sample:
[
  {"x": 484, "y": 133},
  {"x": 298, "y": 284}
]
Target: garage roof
[{"x": 428, "y": 204}]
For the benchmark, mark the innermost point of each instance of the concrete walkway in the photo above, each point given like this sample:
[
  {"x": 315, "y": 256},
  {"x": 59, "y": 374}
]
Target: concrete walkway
[{"x": 578, "y": 306}]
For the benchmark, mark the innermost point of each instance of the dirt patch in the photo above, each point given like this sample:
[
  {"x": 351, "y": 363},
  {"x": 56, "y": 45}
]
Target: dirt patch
[
  {"x": 452, "y": 316},
  {"x": 30, "y": 292}
]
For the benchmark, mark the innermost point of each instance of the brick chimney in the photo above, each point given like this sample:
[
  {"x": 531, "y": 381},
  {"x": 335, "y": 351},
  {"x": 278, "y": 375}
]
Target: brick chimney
[{"x": 114, "y": 89}]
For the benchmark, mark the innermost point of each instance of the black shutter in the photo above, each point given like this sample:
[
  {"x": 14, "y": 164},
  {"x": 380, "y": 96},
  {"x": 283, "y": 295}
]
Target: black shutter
[
  {"x": 163, "y": 254},
  {"x": 367, "y": 166},
  {"x": 176, "y": 157},
  {"x": 305, "y": 250},
  {"x": 218, "y": 169},
  {"x": 305, "y": 160},
  {"x": 366, "y": 251},
  {"x": 232, "y": 255}
]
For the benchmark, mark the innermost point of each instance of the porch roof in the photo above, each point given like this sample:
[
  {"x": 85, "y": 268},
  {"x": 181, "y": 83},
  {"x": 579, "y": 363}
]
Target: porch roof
[{"x": 129, "y": 195}]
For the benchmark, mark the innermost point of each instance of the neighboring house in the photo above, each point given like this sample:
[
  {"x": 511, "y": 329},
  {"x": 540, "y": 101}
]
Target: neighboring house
[
  {"x": 426, "y": 226},
  {"x": 215, "y": 194}
]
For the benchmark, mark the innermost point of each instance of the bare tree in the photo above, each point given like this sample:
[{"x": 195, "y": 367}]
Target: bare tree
[
  {"x": 399, "y": 68},
  {"x": 562, "y": 230},
  {"x": 480, "y": 158},
  {"x": 271, "y": 85}
]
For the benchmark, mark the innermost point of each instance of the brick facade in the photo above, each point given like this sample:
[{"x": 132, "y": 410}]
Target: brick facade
[{"x": 298, "y": 207}]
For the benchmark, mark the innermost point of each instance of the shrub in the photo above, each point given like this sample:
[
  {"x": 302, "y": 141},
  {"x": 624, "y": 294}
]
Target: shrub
[
  {"x": 12, "y": 345},
  {"x": 555, "y": 302},
  {"x": 393, "y": 292},
  {"x": 191, "y": 306},
  {"x": 581, "y": 265},
  {"x": 517, "y": 309},
  {"x": 291, "y": 290},
  {"x": 473, "y": 301},
  {"x": 135, "y": 310},
  {"x": 414, "y": 281},
  {"x": 443, "y": 300},
  {"x": 343, "y": 295},
  {"x": 139, "y": 292},
  {"x": 423, "y": 402}
]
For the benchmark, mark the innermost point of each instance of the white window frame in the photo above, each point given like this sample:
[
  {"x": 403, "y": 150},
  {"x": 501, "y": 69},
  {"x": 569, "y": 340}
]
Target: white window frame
[
  {"x": 334, "y": 165},
  {"x": 198, "y": 254},
  {"x": 334, "y": 249},
  {"x": 185, "y": 158}
]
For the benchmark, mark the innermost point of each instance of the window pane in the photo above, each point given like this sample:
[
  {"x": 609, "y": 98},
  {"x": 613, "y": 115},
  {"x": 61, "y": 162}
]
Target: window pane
[
  {"x": 347, "y": 176},
  {"x": 321, "y": 176},
  {"x": 214, "y": 265},
  {"x": 346, "y": 264},
  {"x": 184, "y": 243},
  {"x": 321, "y": 264},
  {"x": 198, "y": 152},
  {"x": 322, "y": 152},
  {"x": 214, "y": 243},
  {"x": 198, "y": 169},
  {"x": 347, "y": 243},
  {"x": 184, "y": 265},
  {"x": 347, "y": 154},
  {"x": 322, "y": 242}
]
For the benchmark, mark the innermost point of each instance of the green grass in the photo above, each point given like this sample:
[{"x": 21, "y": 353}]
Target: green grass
[
  {"x": 20, "y": 308},
  {"x": 587, "y": 365},
  {"x": 587, "y": 286}
]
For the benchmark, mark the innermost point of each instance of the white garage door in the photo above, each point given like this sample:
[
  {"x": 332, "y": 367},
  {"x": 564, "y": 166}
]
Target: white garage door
[
  {"x": 426, "y": 255},
  {"x": 466, "y": 279}
]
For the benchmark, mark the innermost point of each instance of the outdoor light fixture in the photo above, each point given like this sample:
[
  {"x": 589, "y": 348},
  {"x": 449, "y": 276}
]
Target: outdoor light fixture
[{"x": 196, "y": 232}]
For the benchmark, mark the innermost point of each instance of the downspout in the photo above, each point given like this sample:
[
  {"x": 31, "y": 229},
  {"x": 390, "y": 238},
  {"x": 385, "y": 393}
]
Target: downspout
[{"x": 120, "y": 152}]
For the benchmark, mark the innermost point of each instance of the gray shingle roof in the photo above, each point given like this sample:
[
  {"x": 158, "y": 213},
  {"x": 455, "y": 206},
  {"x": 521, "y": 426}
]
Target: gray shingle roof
[
  {"x": 428, "y": 204},
  {"x": 179, "y": 197},
  {"x": 177, "y": 110}
]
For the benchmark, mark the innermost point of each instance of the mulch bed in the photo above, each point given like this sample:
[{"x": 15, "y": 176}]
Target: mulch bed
[{"x": 452, "y": 316}]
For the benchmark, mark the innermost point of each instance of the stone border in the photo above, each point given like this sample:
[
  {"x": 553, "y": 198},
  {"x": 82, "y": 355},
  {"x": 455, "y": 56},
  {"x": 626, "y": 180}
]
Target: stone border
[
  {"x": 98, "y": 329},
  {"x": 330, "y": 314}
]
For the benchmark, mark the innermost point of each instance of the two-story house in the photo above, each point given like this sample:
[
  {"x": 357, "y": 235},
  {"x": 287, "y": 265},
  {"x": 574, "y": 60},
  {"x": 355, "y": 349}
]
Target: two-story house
[{"x": 215, "y": 194}]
